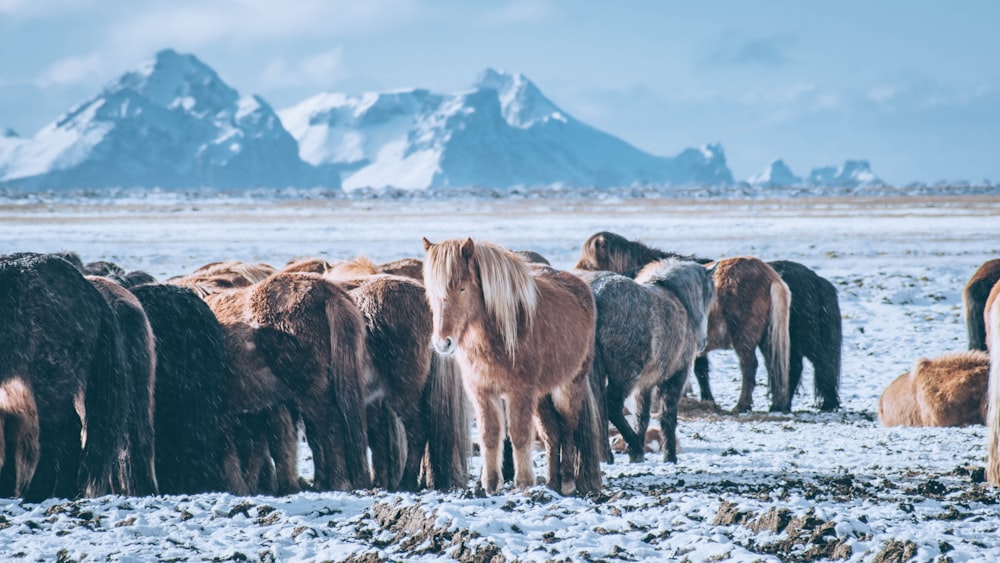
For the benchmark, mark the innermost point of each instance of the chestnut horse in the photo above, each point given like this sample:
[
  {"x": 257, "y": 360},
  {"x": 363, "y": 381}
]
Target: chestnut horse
[
  {"x": 751, "y": 310},
  {"x": 526, "y": 334},
  {"x": 61, "y": 378},
  {"x": 649, "y": 331},
  {"x": 992, "y": 298},
  {"x": 296, "y": 341},
  {"x": 413, "y": 386},
  {"x": 949, "y": 390},
  {"x": 993, "y": 406},
  {"x": 974, "y": 298}
]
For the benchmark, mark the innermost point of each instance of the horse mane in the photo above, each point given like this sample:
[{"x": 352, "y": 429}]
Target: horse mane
[
  {"x": 508, "y": 287},
  {"x": 221, "y": 276},
  {"x": 688, "y": 280},
  {"x": 623, "y": 255},
  {"x": 359, "y": 267}
]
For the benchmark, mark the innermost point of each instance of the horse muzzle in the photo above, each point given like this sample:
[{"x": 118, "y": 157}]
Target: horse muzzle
[{"x": 445, "y": 346}]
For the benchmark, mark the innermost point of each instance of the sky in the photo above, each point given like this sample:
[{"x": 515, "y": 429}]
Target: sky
[{"x": 911, "y": 86}]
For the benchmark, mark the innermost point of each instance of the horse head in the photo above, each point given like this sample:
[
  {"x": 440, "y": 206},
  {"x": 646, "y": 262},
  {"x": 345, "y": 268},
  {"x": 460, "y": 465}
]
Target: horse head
[{"x": 452, "y": 289}]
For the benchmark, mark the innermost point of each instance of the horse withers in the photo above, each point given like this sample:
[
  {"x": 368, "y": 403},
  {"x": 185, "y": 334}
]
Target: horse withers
[{"x": 525, "y": 334}]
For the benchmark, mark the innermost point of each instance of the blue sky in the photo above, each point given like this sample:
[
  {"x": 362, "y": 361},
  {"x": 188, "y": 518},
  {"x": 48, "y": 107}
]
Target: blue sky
[{"x": 912, "y": 86}]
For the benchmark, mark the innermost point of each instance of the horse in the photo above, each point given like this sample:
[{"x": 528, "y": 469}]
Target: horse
[
  {"x": 815, "y": 332},
  {"x": 949, "y": 390},
  {"x": 526, "y": 334},
  {"x": 993, "y": 393},
  {"x": 135, "y": 472},
  {"x": 416, "y": 403},
  {"x": 751, "y": 310},
  {"x": 62, "y": 382},
  {"x": 974, "y": 297},
  {"x": 192, "y": 422},
  {"x": 992, "y": 298},
  {"x": 649, "y": 330},
  {"x": 297, "y": 341}
]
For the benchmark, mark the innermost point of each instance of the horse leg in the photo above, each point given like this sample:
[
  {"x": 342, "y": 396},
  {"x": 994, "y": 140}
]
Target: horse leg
[
  {"x": 283, "y": 445},
  {"x": 670, "y": 395},
  {"x": 522, "y": 436},
  {"x": 416, "y": 446},
  {"x": 643, "y": 403},
  {"x": 489, "y": 416},
  {"x": 701, "y": 374},
  {"x": 319, "y": 454},
  {"x": 616, "y": 413},
  {"x": 569, "y": 402},
  {"x": 548, "y": 424},
  {"x": 795, "y": 366},
  {"x": 748, "y": 367}
]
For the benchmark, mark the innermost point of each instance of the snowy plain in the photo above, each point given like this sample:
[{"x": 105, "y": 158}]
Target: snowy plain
[{"x": 804, "y": 486}]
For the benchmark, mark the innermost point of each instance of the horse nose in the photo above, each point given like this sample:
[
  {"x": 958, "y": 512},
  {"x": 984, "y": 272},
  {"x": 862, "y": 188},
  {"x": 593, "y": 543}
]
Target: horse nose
[{"x": 445, "y": 345}]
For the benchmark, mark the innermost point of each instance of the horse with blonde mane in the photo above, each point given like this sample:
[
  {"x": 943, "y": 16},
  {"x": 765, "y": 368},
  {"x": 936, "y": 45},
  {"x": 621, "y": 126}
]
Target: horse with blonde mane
[
  {"x": 993, "y": 408},
  {"x": 525, "y": 334},
  {"x": 949, "y": 390}
]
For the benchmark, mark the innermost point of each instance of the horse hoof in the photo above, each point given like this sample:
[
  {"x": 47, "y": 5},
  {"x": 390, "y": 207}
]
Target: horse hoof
[
  {"x": 568, "y": 488},
  {"x": 636, "y": 458},
  {"x": 739, "y": 409}
]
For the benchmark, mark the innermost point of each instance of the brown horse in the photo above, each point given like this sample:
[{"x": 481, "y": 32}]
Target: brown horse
[
  {"x": 974, "y": 298},
  {"x": 751, "y": 310},
  {"x": 946, "y": 391},
  {"x": 649, "y": 331},
  {"x": 135, "y": 472},
  {"x": 413, "y": 387},
  {"x": 525, "y": 334},
  {"x": 61, "y": 378},
  {"x": 992, "y": 298},
  {"x": 297, "y": 341},
  {"x": 993, "y": 406}
]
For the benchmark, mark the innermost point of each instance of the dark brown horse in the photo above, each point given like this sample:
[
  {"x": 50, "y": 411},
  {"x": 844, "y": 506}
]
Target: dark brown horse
[
  {"x": 949, "y": 390},
  {"x": 297, "y": 339},
  {"x": 992, "y": 298},
  {"x": 413, "y": 386},
  {"x": 974, "y": 298},
  {"x": 192, "y": 421},
  {"x": 815, "y": 332},
  {"x": 60, "y": 344},
  {"x": 524, "y": 334},
  {"x": 649, "y": 331},
  {"x": 751, "y": 310},
  {"x": 135, "y": 472}
]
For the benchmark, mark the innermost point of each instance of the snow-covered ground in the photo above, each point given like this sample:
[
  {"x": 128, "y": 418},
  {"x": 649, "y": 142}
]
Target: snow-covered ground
[{"x": 804, "y": 486}]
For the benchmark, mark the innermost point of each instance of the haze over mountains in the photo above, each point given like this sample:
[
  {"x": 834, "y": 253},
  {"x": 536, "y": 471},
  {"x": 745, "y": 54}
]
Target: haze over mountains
[{"x": 174, "y": 123}]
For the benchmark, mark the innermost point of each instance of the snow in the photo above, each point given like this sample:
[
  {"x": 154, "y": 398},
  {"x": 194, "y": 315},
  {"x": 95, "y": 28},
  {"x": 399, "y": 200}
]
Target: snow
[{"x": 899, "y": 264}]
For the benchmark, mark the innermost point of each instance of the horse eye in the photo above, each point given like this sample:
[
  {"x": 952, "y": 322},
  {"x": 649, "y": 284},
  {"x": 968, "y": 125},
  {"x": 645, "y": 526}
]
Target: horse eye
[{"x": 461, "y": 290}]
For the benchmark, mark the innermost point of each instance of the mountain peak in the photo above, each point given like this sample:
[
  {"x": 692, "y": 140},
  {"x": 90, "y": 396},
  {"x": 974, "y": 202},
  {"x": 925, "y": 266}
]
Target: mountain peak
[
  {"x": 173, "y": 79},
  {"x": 852, "y": 173},
  {"x": 8, "y": 133},
  {"x": 777, "y": 174},
  {"x": 522, "y": 103}
]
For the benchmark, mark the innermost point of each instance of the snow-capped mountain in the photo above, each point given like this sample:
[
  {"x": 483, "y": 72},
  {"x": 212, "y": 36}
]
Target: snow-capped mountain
[
  {"x": 777, "y": 174},
  {"x": 170, "y": 123},
  {"x": 503, "y": 132},
  {"x": 851, "y": 174}
]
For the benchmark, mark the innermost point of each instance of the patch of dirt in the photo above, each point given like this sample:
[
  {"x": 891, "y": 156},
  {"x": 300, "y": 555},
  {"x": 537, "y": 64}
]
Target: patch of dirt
[{"x": 411, "y": 531}]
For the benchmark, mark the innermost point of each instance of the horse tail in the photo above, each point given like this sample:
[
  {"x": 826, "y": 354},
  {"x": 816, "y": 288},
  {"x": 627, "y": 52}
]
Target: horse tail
[
  {"x": 349, "y": 368},
  {"x": 993, "y": 394},
  {"x": 598, "y": 380},
  {"x": 105, "y": 425},
  {"x": 447, "y": 418},
  {"x": 19, "y": 421},
  {"x": 779, "y": 344},
  {"x": 827, "y": 375},
  {"x": 588, "y": 449},
  {"x": 975, "y": 324}
]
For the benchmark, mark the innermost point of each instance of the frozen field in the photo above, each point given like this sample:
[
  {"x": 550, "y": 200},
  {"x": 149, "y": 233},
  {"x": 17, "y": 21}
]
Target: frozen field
[{"x": 806, "y": 486}]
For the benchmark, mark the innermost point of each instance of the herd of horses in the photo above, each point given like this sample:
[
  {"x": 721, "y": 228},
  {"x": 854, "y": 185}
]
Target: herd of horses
[{"x": 114, "y": 382}]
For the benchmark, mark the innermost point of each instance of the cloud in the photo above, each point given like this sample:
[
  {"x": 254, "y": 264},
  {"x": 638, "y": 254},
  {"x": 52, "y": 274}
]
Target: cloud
[
  {"x": 41, "y": 9},
  {"x": 736, "y": 51},
  {"x": 71, "y": 70},
  {"x": 319, "y": 70},
  {"x": 189, "y": 24},
  {"x": 520, "y": 12}
]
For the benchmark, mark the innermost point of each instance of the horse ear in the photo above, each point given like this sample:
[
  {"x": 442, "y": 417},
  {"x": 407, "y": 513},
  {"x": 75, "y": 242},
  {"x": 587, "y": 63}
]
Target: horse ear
[
  {"x": 427, "y": 244},
  {"x": 599, "y": 242},
  {"x": 712, "y": 267},
  {"x": 468, "y": 248}
]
